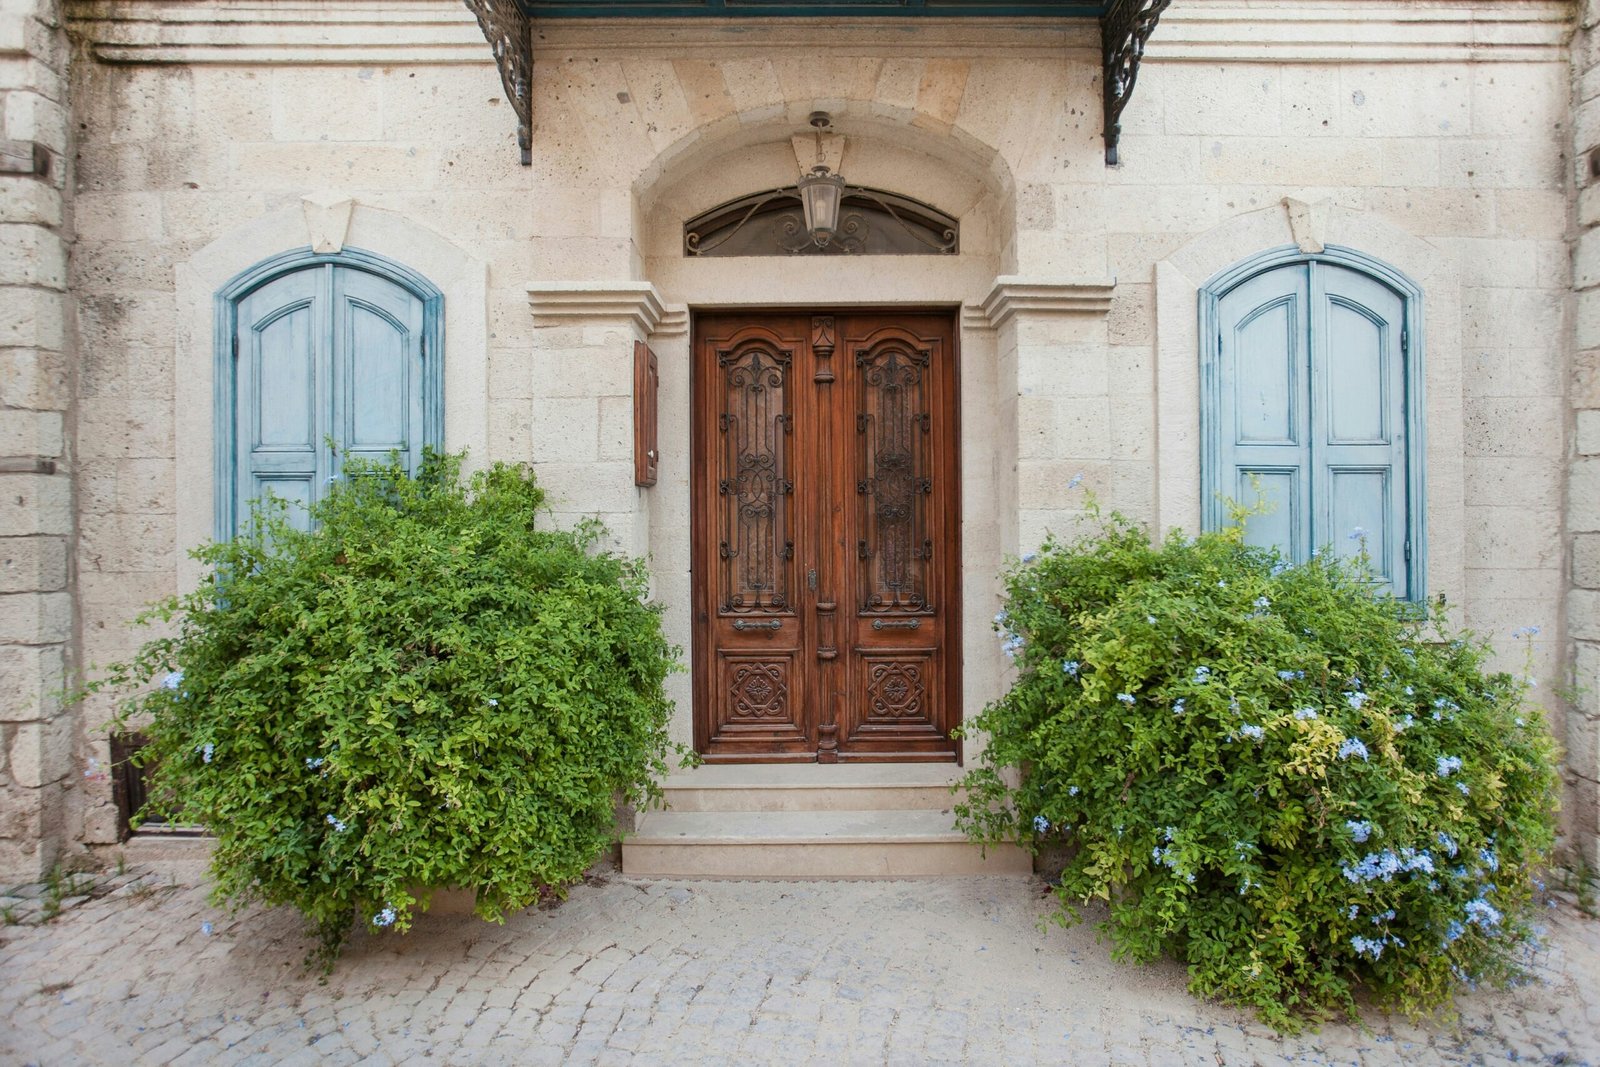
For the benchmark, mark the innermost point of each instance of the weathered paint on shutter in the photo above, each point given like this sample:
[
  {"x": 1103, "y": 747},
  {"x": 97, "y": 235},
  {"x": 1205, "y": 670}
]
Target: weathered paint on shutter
[
  {"x": 377, "y": 368},
  {"x": 324, "y": 353},
  {"x": 280, "y": 393},
  {"x": 1265, "y": 407},
  {"x": 1359, "y": 418},
  {"x": 1311, "y": 398}
]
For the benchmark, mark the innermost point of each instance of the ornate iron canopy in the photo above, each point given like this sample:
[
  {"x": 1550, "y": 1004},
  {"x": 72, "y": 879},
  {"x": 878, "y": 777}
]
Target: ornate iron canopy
[{"x": 1125, "y": 27}]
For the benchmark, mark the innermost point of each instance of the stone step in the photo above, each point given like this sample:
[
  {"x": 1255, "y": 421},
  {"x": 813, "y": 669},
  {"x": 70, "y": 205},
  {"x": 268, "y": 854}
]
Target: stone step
[
  {"x": 813, "y": 787},
  {"x": 811, "y": 844}
]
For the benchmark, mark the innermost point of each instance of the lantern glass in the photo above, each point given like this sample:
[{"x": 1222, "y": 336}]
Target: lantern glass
[{"x": 820, "y": 194}]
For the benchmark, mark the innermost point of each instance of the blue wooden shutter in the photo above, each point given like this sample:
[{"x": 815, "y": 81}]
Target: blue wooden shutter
[
  {"x": 1359, "y": 419},
  {"x": 1311, "y": 408},
  {"x": 324, "y": 353},
  {"x": 280, "y": 393},
  {"x": 1263, "y": 420},
  {"x": 377, "y": 368}
]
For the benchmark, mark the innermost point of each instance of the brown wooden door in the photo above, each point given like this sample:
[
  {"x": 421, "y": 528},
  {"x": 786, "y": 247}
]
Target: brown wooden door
[{"x": 826, "y": 534}]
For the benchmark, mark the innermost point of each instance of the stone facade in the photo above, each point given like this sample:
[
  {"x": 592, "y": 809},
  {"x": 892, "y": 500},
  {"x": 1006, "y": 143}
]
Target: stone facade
[
  {"x": 1438, "y": 138},
  {"x": 37, "y": 384}
]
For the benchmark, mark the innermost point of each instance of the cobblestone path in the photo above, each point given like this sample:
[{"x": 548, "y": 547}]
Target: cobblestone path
[{"x": 653, "y": 972}]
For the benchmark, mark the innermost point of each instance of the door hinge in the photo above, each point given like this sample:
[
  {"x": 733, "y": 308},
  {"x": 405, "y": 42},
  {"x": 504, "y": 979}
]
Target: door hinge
[
  {"x": 1408, "y": 550},
  {"x": 236, "y": 346},
  {"x": 1405, "y": 342}
]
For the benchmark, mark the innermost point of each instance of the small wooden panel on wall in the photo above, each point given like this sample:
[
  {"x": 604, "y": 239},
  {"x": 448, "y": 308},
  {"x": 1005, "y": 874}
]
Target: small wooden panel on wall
[{"x": 646, "y": 386}]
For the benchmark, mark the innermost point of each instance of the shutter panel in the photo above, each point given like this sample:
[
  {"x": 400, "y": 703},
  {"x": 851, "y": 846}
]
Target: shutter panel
[
  {"x": 377, "y": 368},
  {"x": 1359, "y": 420},
  {"x": 1263, "y": 417},
  {"x": 279, "y": 394}
]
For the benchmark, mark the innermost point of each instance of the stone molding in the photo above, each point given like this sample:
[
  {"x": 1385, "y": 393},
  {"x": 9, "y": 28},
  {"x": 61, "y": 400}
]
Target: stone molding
[
  {"x": 1344, "y": 31},
  {"x": 574, "y": 303},
  {"x": 1040, "y": 296},
  {"x": 444, "y": 32}
]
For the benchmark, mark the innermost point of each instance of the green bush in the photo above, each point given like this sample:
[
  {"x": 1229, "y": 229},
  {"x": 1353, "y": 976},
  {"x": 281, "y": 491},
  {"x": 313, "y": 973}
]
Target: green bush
[
  {"x": 426, "y": 691},
  {"x": 1295, "y": 786}
]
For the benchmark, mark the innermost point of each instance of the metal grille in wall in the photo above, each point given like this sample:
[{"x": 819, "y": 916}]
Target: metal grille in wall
[{"x": 871, "y": 223}]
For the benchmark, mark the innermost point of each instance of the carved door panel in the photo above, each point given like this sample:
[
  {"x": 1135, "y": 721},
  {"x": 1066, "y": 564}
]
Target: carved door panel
[{"x": 825, "y": 530}]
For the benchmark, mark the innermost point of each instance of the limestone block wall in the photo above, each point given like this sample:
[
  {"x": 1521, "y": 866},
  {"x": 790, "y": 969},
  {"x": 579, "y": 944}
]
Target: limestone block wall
[
  {"x": 36, "y": 517},
  {"x": 1583, "y": 479},
  {"x": 1434, "y": 135}
]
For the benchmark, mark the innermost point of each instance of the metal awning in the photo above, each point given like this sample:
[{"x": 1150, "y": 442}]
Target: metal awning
[{"x": 1125, "y": 26}]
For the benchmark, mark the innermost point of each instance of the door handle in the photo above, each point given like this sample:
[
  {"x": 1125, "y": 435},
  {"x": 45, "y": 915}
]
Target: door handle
[
  {"x": 771, "y": 624},
  {"x": 896, "y": 624},
  {"x": 811, "y": 579}
]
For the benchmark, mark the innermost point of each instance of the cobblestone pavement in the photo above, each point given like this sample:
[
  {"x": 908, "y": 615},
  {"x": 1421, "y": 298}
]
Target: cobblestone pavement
[{"x": 627, "y": 970}]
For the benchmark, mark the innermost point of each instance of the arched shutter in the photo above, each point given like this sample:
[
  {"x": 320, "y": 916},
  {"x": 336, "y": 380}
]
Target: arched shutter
[
  {"x": 1310, "y": 397},
  {"x": 325, "y": 353}
]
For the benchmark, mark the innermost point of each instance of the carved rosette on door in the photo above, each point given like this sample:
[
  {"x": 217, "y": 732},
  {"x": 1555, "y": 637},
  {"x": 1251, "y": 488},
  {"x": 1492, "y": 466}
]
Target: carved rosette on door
[{"x": 825, "y": 533}]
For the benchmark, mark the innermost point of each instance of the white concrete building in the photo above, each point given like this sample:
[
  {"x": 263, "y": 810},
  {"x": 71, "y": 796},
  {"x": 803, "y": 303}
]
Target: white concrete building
[{"x": 1376, "y": 211}]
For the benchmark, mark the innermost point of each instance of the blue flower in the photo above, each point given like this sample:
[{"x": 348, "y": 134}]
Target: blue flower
[
  {"x": 1177, "y": 706},
  {"x": 206, "y": 751},
  {"x": 313, "y": 764},
  {"x": 1453, "y": 931},
  {"x": 1029, "y": 557},
  {"x": 385, "y": 917},
  {"x": 1367, "y": 946},
  {"x": 1202, "y": 675},
  {"x": 1252, "y": 731},
  {"x": 1151, "y": 619},
  {"x": 337, "y": 824},
  {"x": 172, "y": 680},
  {"x": 1355, "y": 909},
  {"x": 1263, "y": 603},
  {"x": 1291, "y": 676},
  {"x": 1352, "y": 747},
  {"x": 1075, "y": 481},
  {"x": 1358, "y": 533},
  {"x": 1447, "y": 765},
  {"x": 1483, "y": 913},
  {"x": 1355, "y": 700},
  {"x": 1000, "y": 617},
  {"x": 1359, "y": 831},
  {"x": 1464, "y": 789},
  {"x": 1448, "y": 843},
  {"x": 206, "y": 928},
  {"x": 1072, "y": 790},
  {"x": 1490, "y": 860},
  {"x": 492, "y": 702},
  {"x": 1126, "y": 698},
  {"x": 1305, "y": 713},
  {"x": 1070, "y": 667},
  {"x": 1525, "y": 631},
  {"x": 1040, "y": 823}
]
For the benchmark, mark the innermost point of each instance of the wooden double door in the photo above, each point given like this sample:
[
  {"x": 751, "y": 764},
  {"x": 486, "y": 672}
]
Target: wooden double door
[{"x": 826, "y": 536}]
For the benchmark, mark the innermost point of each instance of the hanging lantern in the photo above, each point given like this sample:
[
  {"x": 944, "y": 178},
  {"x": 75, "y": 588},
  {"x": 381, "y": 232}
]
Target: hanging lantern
[{"x": 820, "y": 195}]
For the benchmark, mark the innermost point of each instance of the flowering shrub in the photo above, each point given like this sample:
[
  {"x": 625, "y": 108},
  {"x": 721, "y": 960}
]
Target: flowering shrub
[
  {"x": 1293, "y": 785},
  {"x": 427, "y": 691}
]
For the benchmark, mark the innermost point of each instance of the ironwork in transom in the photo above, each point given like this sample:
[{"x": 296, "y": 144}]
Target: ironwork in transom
[
  {"x": 871, "y": 223},
  {"x": 1125, "y": 27}
]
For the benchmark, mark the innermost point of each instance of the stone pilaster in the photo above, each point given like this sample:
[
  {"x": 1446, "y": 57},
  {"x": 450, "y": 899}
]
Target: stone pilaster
[
  {"x": 1054, "y": 391},
  {"x": 582, "y": 408},
  {"x": 36, "y": 524},
  {"x": 1583, "y": 477}
]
